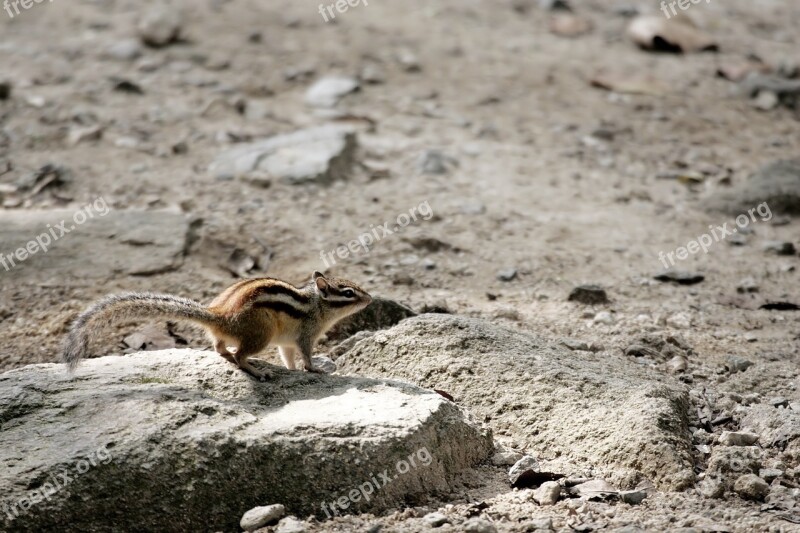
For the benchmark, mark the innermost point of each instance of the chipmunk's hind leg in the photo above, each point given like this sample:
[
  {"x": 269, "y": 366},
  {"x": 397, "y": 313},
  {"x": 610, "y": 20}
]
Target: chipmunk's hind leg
[
  {"x": 250, "y": 346},
  {"x": 220, "y": 345},
  {"x": 244, "y": 364}
]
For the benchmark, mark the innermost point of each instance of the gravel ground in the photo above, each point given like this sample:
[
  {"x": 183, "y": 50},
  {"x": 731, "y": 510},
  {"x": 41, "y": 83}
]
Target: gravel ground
[{"x": 476, "y": 112}]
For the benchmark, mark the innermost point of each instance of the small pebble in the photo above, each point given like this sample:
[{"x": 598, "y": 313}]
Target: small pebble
[
  {"x": 160, "y": 26},
  {"x": 260, "y": 516},
  {"x": 604, "y": 317},
  {"x": 478, "y": 525},
  {"x": 435, "y": 519},
  {"x": 751, "y": 487},
  {"x": 589, "y": 295},
  {"x": 548, "y": 493},
  {"x": 738, "y": 438},
  {"x": 291, "y": 524},
  {"x": 507, "y": 274}
]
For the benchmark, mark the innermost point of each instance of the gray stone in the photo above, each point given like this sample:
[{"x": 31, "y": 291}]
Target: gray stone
[
  {"x": 261, "y": 516},
  {"x": 526, "y": 464},
  {"x": 291, "y": 524},
  {"x": 780, "y": 248},
  {"x": 545, "y": 524},
  {"x": 328, "y": 91},
  {"x": 575, "y": 345},
  {"x": 478, "y": 525},
  {"x": 548, "y": 493},
  {"x": 133, "y": 243},
  {"x": 776, "y": 427},
  {"x": 604, "y": 317},
  {"x": 736, "y": 364},
  {"x": 784, "y": 89},
  {"x": 751, "y": 487},
  {"x": 124, "y": 50},
  {"x": 621, "y": 419},
  {"x": 677, "y": 365},
  {"x": 770, "y": 474},
  {"x": 681, "y": 277},
  {"x": 372, "y": 73},
  {"x": 408, "y": 60},
  {"x": 315, "y": 155},
  {"x": 711, "y": 488},
  {"x": 507, "y": 274},
  {"x": 777, "y": 184},
  {"x": 633, "y": 497},
  {"x": 323, "y": 363},
  {"x": 589, "y": 295},
  {"x": 778, "y": 401},
  {"x": 766, "y": 101},
  {"x": 595, "y": 489},
  {"x": 738, "y": 438},
  {"x": 160, "y": 25},
  {"x": 80, "y": 134},
  {"x": 506, "y": 458},
  {"x": 435, "y": 519},
  {"x": 435, "y": 162},
  {"x": 727, "y": 463},
  {"x": 183, "y": 431}
]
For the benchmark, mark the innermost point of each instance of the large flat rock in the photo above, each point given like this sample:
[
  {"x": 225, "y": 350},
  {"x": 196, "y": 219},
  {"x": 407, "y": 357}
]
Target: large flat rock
[
  {"x": 180, "y": 441},
  {"x": 596, "y": 411},
  {"x": 104, "y": 245},
  {"x": 319, "y": 155}
]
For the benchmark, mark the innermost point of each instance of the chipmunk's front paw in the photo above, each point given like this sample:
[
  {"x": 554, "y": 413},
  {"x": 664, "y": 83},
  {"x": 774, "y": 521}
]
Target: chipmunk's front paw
[{"x": 314, "y": 370}]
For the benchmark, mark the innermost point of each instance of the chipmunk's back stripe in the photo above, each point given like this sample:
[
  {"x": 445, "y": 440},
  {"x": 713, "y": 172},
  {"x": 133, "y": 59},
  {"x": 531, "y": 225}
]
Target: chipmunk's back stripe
[
  {"x": 277, "y": 288},
  {"x": 282, "y": 307}
]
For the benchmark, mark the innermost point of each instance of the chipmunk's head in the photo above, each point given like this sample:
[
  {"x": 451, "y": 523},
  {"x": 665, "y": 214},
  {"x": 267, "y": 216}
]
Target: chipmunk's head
[{"x": 341, "y": 296}]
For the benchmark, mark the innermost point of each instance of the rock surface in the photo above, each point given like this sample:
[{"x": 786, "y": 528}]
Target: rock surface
[
  {"x": 777, "y": 184},
  {"x": 751, "y": 487},
  {"x": 328, "y": 91},
  {"x": 381, "y": 313},
  {"x": 189, "y": 443},
  {"x": 134, "y": 242},
  {"x": 314, "y": 155},
  {"x": 595, "y": 411}
]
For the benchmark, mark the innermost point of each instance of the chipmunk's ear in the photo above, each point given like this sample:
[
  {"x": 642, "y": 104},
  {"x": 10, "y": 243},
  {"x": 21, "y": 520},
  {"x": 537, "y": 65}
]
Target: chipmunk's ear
[{"x": 320, "y": 283}]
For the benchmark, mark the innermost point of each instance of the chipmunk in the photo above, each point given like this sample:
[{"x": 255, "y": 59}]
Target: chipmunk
[{"x": 241, "y": 322}]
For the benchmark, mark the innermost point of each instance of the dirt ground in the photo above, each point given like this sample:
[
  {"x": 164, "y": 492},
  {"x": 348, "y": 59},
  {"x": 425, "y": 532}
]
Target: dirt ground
[{"x": 546, "y": 175}]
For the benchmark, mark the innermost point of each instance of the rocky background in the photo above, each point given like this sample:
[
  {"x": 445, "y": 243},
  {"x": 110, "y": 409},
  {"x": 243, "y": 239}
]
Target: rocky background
[{"x": 524, "y": 169}]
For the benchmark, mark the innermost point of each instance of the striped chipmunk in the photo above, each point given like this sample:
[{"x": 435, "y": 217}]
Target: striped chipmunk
[{"x": 241, "y": 322}]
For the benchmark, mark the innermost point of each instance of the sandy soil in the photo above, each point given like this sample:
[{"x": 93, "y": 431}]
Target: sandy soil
[{"x": 550, "y": 176}]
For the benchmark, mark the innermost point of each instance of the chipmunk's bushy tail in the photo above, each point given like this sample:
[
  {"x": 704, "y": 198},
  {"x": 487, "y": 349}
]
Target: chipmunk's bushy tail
[{"x": 128, "y": 306}]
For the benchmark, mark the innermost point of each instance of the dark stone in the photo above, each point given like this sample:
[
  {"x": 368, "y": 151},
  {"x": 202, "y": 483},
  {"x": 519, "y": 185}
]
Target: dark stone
[
  {"x": 589, "y": 295},
  {"x": 680, "y": 277}
]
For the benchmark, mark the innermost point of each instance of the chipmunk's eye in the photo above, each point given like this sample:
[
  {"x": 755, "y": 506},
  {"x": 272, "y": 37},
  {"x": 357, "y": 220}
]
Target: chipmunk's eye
[{"x": 349, "y": 293}]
